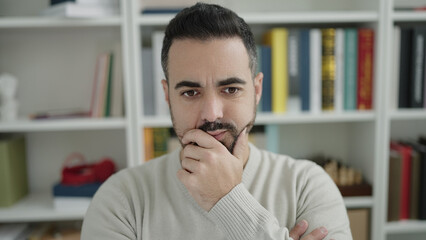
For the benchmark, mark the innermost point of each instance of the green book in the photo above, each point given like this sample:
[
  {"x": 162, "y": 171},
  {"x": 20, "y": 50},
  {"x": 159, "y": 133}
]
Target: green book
[
  {"x": 109, "y": 87},
  {"x": 351, "y": 64},
  {"x": 13, "y": 170},
  {"x": 161, "y": 138}
]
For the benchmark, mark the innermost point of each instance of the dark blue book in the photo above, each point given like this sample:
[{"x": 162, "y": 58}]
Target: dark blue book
[
  {"x": 267, "y": 79},
  {"x": 405, "y": 68},
  {"x": 304, "y": 69},
  {"x": 85, "y": 190}
]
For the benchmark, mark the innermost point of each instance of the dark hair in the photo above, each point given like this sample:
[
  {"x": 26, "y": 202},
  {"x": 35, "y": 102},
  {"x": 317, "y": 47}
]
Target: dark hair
[{"x": 206, "y": 21}]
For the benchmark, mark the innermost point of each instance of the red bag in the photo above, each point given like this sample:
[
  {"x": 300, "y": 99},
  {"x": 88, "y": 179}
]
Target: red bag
[{"x": 83, "y": 173}]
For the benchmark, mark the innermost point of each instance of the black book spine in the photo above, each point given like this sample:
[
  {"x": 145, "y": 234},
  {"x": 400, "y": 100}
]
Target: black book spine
[
  {"x": 417, "y": 74},
  {"x": 405, "y": 68}
]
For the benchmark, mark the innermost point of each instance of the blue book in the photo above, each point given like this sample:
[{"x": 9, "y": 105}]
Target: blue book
[
  {"x": 304, "y": 69},
  {"x": 85, "y": 190},
  {"x": 267, "y": 79}
]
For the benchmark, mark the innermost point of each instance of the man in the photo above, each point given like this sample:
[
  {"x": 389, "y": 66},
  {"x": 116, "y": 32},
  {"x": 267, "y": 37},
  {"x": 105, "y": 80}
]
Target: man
[{"x": 217, "y": 186}]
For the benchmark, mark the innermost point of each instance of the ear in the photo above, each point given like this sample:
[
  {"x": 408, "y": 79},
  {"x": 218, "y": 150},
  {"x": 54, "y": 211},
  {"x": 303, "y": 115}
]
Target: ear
[
  {"x": 166, "y": 90},
  {"x": 258, "y": 81}
]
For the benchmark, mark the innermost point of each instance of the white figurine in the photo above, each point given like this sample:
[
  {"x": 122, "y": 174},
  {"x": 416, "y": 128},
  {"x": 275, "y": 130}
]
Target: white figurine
[{"x": 8, "y": 102}]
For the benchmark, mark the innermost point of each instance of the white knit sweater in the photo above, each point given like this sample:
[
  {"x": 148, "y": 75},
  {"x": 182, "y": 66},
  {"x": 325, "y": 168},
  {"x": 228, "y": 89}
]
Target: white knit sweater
[{"x": 149, "y": 202}]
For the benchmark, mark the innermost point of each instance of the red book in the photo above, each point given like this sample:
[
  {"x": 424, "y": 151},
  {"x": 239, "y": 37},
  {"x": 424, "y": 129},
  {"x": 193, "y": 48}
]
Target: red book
[
  {"x": 405, "y": 151},
  {"x": 365, "y": 69}
]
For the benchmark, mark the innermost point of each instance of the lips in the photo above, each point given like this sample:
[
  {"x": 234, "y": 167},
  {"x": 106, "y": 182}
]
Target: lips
[{"x": 218, "y": 134}]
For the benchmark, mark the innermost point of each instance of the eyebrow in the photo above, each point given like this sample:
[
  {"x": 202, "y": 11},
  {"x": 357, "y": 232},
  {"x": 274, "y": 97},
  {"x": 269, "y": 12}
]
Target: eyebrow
[{"x": 229, "y": 81}]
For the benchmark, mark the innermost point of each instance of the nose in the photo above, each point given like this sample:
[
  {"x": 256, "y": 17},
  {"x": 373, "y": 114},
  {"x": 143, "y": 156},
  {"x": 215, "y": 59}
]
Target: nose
[{"x": 212, "y": 108}]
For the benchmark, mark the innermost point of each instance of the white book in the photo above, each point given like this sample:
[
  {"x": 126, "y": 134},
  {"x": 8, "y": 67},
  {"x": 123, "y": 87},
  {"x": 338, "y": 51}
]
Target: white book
[
  {"x": 339, "y": 53},
  {"x": 73, "y": 10},
  {"x": 117, "y": 95},
  {"x": 148, "y": 82},
  {"x": 161, "y": 107},
  {"x": 396, "y": 56},
  {"x": 315, "y": 59},
  {"x": 67, "y": 204}
]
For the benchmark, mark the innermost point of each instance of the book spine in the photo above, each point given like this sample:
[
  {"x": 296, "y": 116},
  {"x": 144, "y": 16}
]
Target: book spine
[
  {"x": 422, "y": 192},
  {"x": 405, "y": 183},
  {"x": 394, "y": 185},
  {"x": 293, "y": 102},
  {"x": 161, "y": 137},
  {"x": 365, "y": 69},
  {"x": 117, "y": 104},
  {"x": 350, "y": 72},
  {"x": 267, "y": 81},
  {"x": 328, "y": 68},
  {"x": 304, "y": 69},
  {"x": 149, "y": 143},
  {"x": 95, "y": 87},
  {"x": 315, "y": 70},
  {"x": 340, "y": 71},
  {"x": 107, "y": 111},
  {"x": 404, "y": 67},
  {"x": 149, "y": 101},
  {"x": 396, "y": 56},
  {"x": 277, "y": 40},
  {"x": 417, "y": 68}
]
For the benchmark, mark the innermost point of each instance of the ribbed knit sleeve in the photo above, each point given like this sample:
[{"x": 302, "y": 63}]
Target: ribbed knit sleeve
[{"x": 241, "y": 217}]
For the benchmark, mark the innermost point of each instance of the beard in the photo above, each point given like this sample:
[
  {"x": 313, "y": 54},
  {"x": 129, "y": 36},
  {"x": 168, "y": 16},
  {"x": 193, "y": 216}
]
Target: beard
[{"x": 230, "y": 127}]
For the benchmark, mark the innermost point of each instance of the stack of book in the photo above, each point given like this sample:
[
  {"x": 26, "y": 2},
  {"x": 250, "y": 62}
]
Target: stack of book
[
  {"x": 317, "y": 70},
  {"x": 83, "y": 8},
  {"x": 409, "y": 67},
  {"x": 407, "y": 180}
]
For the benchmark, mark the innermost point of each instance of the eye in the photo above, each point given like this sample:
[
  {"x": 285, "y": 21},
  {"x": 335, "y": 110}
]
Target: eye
[
  {"x": 231, "y": 90},
  {"x": 190, "y": 93}
]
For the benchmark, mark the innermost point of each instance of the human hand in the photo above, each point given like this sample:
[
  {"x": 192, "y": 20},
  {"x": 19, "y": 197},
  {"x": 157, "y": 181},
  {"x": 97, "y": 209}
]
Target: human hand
[
  {"x": 209, "y": 171},
  {"x": 297, "y": 231}
]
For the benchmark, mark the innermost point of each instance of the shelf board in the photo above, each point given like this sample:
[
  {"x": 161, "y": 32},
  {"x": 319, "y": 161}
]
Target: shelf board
[
  {"x": 52, "y": 22},
  {"x": 26, "y": 125},
  {"x": 408, "y": 226},
  {"x": 358, "y": 202},
  {"x": 280, "y": 17},
  {"x": 38, "y": 208},
  {"x": 409, "y": 16},
  {"x": 408, "y": 114},
  {"x": 289, "y": 118}
]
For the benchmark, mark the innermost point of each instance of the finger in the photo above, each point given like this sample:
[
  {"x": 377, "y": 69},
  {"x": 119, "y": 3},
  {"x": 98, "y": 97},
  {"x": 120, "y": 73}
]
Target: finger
[
  {"x": 201, "y": 138},
  {"x": 317, "y": 234},
  {"x": 297, "y": 231},
  {"x": 190, "y": 165},
  {"x": 192, "y": 151},
  {"x": 241, "y": 144}
]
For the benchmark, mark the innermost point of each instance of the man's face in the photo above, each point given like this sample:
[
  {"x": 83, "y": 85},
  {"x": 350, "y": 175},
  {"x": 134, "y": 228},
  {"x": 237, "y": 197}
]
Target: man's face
[{"x": 211, "y": 88}]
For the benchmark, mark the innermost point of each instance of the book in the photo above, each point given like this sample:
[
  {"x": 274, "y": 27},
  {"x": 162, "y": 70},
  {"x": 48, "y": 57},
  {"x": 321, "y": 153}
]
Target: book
[
  {"x": 71, "y": 204},
  {"x": 60, "y": 114},
  {"x": 148, "y": 83},
  {"x": 315, "y": 70},
  {"x": 350, "y": 72},
  {"x": 117, "y": 92},
  {"x": 422, "y": 181},
  {"x": 277, "y": 38},
  {"x": 405, "y": 67},
  {"x": 74, "y": 10},
  {"x": 161, "y": 106},
  {"x": 115, "y": 3},
  {"x": 84, "y": 190},
  {"x": 149, "y": 143},
  {"x": 328, "y": 68},
  {"x": 365, "y": 69},
  {"x": 99, "y": 82},
  {"x": 339, "y": 53},
  {"x": 399, "y": 182},
  {"x": 161, "y": 138},
  {"x": 108, "y": 87},
  {"x": 395, "y": 78},
  {"x": 304, "y": 70},
  {"x": 13, "y": 169},
  {"x": 293, "y": 101},
  {"x": 417, "y": 67},
  {"x": 267, "y": 81},
  {"x": 359, "y": 223}
]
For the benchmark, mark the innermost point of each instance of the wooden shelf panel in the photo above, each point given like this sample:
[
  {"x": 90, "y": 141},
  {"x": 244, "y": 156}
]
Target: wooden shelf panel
[
  {"x": 50, "y": 22},
  {"x": 62, "y": 125},
  {"x": 280, "y": 17}
]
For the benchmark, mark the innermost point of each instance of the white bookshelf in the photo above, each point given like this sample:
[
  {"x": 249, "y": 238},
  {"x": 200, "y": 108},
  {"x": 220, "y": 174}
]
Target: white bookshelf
[{"x": 361, "y": 137}]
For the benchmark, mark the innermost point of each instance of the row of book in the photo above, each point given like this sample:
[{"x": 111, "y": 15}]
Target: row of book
[
  {"x": 317, "y": 69},
  {"x": 407, "y": 180},
  {"x": 310, "y": 70},
  {"x": 83, "y": 8},
  {"x": 409, "y": 82},
  {"x": 107, "y": 99}
]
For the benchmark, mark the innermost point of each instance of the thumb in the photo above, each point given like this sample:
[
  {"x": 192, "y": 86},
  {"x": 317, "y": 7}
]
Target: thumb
[{"x": 241, "y": 144}]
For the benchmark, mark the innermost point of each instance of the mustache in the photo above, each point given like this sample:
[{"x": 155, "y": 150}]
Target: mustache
[{"x": 216, "y": 125}]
